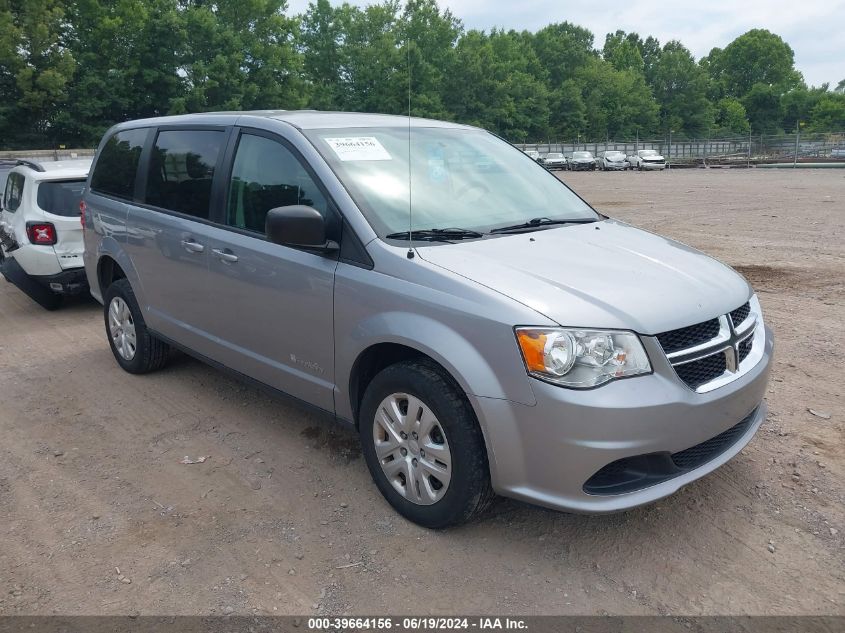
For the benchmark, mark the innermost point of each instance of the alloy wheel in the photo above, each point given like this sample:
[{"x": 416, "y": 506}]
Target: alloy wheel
[
  {"x": 122, "y": 329},
  {"x": 412, "y": 449}
]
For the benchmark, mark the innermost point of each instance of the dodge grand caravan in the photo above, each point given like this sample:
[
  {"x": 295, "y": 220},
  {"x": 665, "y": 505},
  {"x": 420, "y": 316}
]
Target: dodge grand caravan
[{"x": 485, "y": 330}]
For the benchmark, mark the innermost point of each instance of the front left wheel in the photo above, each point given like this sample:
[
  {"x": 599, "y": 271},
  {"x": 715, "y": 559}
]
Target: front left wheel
[{"x": 423, "y": 445}]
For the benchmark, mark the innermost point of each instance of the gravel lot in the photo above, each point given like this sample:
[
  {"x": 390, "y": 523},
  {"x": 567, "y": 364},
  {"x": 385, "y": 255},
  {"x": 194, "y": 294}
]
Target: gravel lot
[{"x": 282, "y": 517}]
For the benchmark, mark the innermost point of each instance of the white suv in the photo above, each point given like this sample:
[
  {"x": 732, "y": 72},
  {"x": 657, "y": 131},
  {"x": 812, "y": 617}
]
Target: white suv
[{"x": 40, "y": 231}]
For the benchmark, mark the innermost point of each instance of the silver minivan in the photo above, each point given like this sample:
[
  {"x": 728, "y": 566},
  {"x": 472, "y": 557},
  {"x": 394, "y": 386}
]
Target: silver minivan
[{"x": 480, "y": 325}]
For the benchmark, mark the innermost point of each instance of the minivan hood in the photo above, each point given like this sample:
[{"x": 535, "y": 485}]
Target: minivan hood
[{"x": 599, "y": 275}]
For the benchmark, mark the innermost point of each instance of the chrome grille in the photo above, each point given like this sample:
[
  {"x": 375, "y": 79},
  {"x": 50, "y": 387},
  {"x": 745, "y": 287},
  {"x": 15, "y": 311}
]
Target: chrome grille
[
  {"x": 690, "y": 336},
  {"x": 740, "y": 314},
  {"x": 745, "y": 348},
  {"x": 712, "y": 353},
  {"x": 702, "y": 371}
]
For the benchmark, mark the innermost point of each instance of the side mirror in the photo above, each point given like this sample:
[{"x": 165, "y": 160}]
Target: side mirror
[{"x": 298, "y": 226}]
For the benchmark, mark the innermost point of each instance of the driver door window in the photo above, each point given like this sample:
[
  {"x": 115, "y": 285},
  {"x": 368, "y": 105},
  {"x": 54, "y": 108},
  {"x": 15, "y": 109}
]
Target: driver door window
[{"x": 266, "y": 175}]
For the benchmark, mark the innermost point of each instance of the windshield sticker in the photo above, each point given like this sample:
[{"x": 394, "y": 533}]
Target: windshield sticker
[{"x": 358, "y": 148}]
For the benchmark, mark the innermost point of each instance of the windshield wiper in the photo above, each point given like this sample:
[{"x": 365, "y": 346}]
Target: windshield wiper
[
  {"x": 436, "y": 235},
  {"x": 535, "y": 223}
]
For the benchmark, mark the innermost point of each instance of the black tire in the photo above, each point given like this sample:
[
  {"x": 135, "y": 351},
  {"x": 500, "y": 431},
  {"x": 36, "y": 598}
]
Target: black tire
[
  {"x": 33, "y": 289},
  {"x": 150, "y": 353},
  {"x": 469, "y": 492}
]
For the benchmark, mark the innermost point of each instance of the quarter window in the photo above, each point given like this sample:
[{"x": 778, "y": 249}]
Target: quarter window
[
  {"x": 117, "y": 165},
  {"x": 266, "y": 175},
  {"x": 182, "y": 169},
  {"x": 14, "y": 191}
]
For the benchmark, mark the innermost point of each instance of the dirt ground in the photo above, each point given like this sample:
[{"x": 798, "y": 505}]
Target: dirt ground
[{"x": 282, "y": 517}]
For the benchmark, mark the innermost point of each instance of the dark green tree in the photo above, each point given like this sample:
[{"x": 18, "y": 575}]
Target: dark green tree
[
  {"x": 568, "y": 112},
  {"x": 619, "y": 103},
  {"x": 36, "y": 68},
  {"x": 428, "y": 36},
  {"x": 680, "y": 87},
  {"x": 731, "y": 118},
  {"x": 756, "y": 57},
  {"x": 239, "y": 54},
  {"x": 828, "y": 115},
  {"x": 563, "y": 49},
  {"x": 622, "y": 51},
  {"x": 762, "y": 104},
  {"x": 127, "y": 56},
  {"x": 494, "y": 84},
  {"x": 797, "y": 105},
  {"x": 322, "y": 39}
]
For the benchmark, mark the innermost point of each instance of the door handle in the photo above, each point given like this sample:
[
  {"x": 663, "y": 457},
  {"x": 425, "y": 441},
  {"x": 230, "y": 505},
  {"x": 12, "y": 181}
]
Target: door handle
[
  {"x": 229, "y": 258},
  {"x": 192, "y": 246}
]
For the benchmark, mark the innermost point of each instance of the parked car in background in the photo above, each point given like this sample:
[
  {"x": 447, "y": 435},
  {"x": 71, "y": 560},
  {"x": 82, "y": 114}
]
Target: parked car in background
[
  {"x": 491, "y": 333},
  {"x": 534, "y": 154},
  {"x": 612, "y": 160},
  {"x": 647, "y": 159},
  {"x": 837, "y": 152},
  {"x": 40, "y": 232},
  {"x": 553, "y": 160},
  {"x": 581, "y": 161}
]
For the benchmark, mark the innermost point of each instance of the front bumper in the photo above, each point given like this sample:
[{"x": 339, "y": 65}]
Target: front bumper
[
  {"x": 657, "y": 166},
  {"x": 616, "y": 166},
  {"x": 582, "y": 166},
  {"x": 545, "y": 453}
]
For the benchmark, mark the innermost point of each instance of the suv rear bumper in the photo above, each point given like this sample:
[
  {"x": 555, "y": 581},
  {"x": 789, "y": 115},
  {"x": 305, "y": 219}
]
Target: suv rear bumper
[{"x": 68, "y": 282}]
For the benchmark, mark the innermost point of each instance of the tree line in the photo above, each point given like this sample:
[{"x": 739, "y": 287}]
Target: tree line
[{"x": 71, "y": 68}]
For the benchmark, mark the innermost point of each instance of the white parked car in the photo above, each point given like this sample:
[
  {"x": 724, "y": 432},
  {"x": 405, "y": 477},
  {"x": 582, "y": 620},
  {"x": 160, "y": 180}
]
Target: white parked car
[
  {"x": 612, "y": 159},
  {"x": 554, "y": 160},
  {"x": 41, "y": 242},
  {"x": 647, "y": 159}
]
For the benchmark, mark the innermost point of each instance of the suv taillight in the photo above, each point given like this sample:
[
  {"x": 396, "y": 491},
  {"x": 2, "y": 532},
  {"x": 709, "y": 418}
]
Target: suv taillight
[
  {"x": 43, "y": 233},
  {"x": 82, "y": 208}
]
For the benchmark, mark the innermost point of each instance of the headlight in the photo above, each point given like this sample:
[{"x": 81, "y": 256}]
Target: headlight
[{"x": 581, "y": 358}]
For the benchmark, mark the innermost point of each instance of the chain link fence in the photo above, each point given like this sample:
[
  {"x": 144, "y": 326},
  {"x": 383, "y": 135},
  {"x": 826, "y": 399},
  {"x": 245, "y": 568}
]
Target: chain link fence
[{"x": 750, "y": 150}]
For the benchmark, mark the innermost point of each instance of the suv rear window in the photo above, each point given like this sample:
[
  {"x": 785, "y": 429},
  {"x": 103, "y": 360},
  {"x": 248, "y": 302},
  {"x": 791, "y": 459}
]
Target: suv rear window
[
  {"x": 61, "y": 197},
  {"x": 117, "y": 164},
  {"x": 182, "y": 168}
]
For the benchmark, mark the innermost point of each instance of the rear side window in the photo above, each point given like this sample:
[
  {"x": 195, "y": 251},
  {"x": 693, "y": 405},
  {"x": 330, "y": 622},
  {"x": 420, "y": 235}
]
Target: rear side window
[
  {"x": 61, "y": 198},
  {"x": 182, "y": 169},
  {"x": 14, "y": 192},
  {"x": 117, "y": 164},
  {"x": 267, "y": 175}
]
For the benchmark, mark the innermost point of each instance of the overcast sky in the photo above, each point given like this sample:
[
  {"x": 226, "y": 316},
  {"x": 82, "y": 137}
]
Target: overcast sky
[{"x": 814, "y": 28}]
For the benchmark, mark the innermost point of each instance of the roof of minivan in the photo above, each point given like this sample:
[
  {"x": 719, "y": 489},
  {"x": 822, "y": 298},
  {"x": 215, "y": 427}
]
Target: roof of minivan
[{"x": 310, "y": 119}]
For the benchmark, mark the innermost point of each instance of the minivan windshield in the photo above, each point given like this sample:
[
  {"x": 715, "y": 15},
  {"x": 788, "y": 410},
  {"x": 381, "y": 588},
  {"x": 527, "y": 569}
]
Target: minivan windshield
[{"x": 460, "y": 178}]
